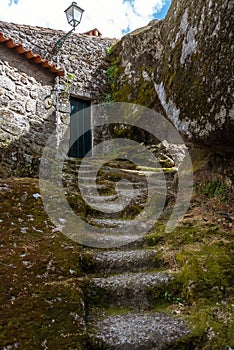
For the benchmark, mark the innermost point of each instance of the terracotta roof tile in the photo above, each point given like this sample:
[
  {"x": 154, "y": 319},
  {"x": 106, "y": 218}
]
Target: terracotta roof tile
[
  {"x": 93, "y": 32},
  {"x": 30, "y": 55}
]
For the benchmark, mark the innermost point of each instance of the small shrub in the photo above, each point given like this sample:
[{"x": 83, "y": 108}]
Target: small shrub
[{"x": 214, "y": 188}]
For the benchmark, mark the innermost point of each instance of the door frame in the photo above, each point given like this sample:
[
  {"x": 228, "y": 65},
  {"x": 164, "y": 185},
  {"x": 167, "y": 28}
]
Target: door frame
[{"x": 91, "y": 121}]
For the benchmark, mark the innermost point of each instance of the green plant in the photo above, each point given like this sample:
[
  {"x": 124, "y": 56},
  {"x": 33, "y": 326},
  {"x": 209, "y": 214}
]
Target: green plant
[
  {"x": 214, "y": 188},
  {"x": 109, "y": 50},
  {"x": 174, "y": 299},
  {"x": 69, "y": 81},
  {"x": 108, "y": 98},
  {"x": 110, "y": 74}
]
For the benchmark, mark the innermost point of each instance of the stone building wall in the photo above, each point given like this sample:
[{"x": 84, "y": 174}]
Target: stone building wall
[
  {"x": 81, "y": 55},
  {"x": 27, "y": 91},
  {"x": 25, "y": 118}
]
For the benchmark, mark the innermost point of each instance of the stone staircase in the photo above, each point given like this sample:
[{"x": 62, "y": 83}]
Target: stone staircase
[
  {"x": 127, "y": 282},
  {"x": 113, "y": 195},
  {"x": 121, "y": 296}
]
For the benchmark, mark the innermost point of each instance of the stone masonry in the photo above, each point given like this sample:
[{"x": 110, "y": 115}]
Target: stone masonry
[{"x": 27, "y": 91}]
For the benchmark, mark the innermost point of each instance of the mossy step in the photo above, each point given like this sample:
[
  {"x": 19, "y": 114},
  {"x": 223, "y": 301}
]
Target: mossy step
[
  {"x": 116, "y": 168},
  {"x": 130, "y": 289},
  {"x": 109, "y": 207},
  {"x": 157, "y": 184},
  {"x": 117, "y": 223},
  {"x": 150, "y": 171},
  {"x": 111, "y": 176},
  {"x": 116, "y": 163},
  {"x": 120, "y": 260},
  {"x": 136, "y": 331},
  {"x": 94, "y": 199},
  {"x": 124, "y": 227},
  {"x": 86, "y": 171},
  {"x": 97, "y": 186},
  {"x": 109, "y": 184},
  {"x": 91, "y": 238}
]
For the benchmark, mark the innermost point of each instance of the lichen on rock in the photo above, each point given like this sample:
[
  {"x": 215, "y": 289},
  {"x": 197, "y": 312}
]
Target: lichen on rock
[{"x": 181, "y": 67}]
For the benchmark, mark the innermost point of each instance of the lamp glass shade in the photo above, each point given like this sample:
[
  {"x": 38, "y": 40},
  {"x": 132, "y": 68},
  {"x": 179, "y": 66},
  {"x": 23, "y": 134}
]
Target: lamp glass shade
[{"x": 74, "y": 14}]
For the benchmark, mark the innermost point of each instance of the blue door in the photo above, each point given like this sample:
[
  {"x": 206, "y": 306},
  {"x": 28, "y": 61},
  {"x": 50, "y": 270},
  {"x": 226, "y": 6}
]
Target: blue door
[{"x": 80, "y": 121}]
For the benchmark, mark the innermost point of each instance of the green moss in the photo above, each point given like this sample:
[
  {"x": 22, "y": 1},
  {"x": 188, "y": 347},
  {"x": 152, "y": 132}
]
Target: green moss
[
  {"x": 46, "y": 313},
  {"x": 212, "y": 325},
  {"x": 43, "y": 289},
  {"x": 202, "y": 287},
  {"x": 171, "y": 79},
  {"x": 123, "y": 94},
  {"x": 185, "y": 235},
  {"x": 145, "y": 93},
  {"x": 205, "y": 274},
  {"x": 40, "y": 294}
]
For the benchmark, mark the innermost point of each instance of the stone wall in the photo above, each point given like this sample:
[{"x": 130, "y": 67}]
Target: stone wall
[
  {"x": 81, "y": 55},
  {"x": 27, "y": 91},
  {"x": 26, "y": 119}
]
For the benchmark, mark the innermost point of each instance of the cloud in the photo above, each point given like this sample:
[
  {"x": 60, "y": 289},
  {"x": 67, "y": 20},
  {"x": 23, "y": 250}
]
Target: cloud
[
  {"x": 112, "y": 18},
  {"x": 147, "y": 8}
]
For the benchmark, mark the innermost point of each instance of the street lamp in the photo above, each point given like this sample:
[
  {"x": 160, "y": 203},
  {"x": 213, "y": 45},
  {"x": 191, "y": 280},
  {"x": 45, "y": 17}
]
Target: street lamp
[{"x": 74, "y": 15}]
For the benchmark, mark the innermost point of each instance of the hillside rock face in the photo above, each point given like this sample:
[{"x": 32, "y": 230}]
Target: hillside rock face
[{"x": 181, "y": 66}]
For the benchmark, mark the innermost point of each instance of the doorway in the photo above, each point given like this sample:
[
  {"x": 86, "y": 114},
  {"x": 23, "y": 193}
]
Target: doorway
[{"x": 80, "y": 128}]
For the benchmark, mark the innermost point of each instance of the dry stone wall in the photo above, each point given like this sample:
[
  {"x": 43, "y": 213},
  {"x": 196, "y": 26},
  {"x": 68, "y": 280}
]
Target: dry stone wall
[
  {"x": 81, "y": 55},
  {"x": 27, "y": 91},
  {"x": 25, "y": 118}
]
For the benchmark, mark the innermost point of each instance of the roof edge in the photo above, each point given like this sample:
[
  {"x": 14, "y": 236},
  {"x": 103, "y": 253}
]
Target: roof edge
[{"x": 29, "y": 55}]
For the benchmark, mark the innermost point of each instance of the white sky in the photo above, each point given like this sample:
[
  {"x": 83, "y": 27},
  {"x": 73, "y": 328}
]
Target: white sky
[{"x": 111, "y": 17}]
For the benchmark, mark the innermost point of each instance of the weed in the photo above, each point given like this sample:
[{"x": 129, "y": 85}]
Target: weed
[{"x": 214, "y": 188}]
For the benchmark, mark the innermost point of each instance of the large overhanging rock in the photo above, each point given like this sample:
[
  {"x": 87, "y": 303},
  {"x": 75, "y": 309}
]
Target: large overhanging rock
[{"x": 183, "y": 66}]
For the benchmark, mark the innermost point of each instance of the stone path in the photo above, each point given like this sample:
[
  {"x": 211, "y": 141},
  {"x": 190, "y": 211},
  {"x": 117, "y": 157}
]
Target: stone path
[
  {"x": 133, "y": 324},
  {"x": 124, "y": 282}
]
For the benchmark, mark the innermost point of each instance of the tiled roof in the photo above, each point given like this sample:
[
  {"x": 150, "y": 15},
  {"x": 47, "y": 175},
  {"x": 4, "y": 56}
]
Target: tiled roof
[
  {"x": 93, "y": 32},
  {"x": 28, "y": 54}
]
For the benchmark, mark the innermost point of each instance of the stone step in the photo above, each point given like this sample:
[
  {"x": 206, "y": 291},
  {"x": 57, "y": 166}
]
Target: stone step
[
  {"x": 109, "y": 186},
  {"x": 95, "y": 199},
  {"x": 119, "y": 168},
  {"x": 141, "y": 171},
  {"x": 130, "y": 173},
  {"x": 136, "y": 331},
  {"x": 89, "y": 179},
  {"x": 126, "y": 225},
  {"x": 133, "y": 290},
  {"x": 119, "y": 227},
  {"x": 120, "y": 261},
  {"x": 136, "y": 196},
  {"x": 86, "y": 187},
  {"x": 96, "y": 240},
  {"x": 92, "y": 192},
  {"x": 85, "y": 172},
  {"x": 124, "y": 186},
  {"x": 93, "y": 163},
  {"x": 110, "y": 178}
]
